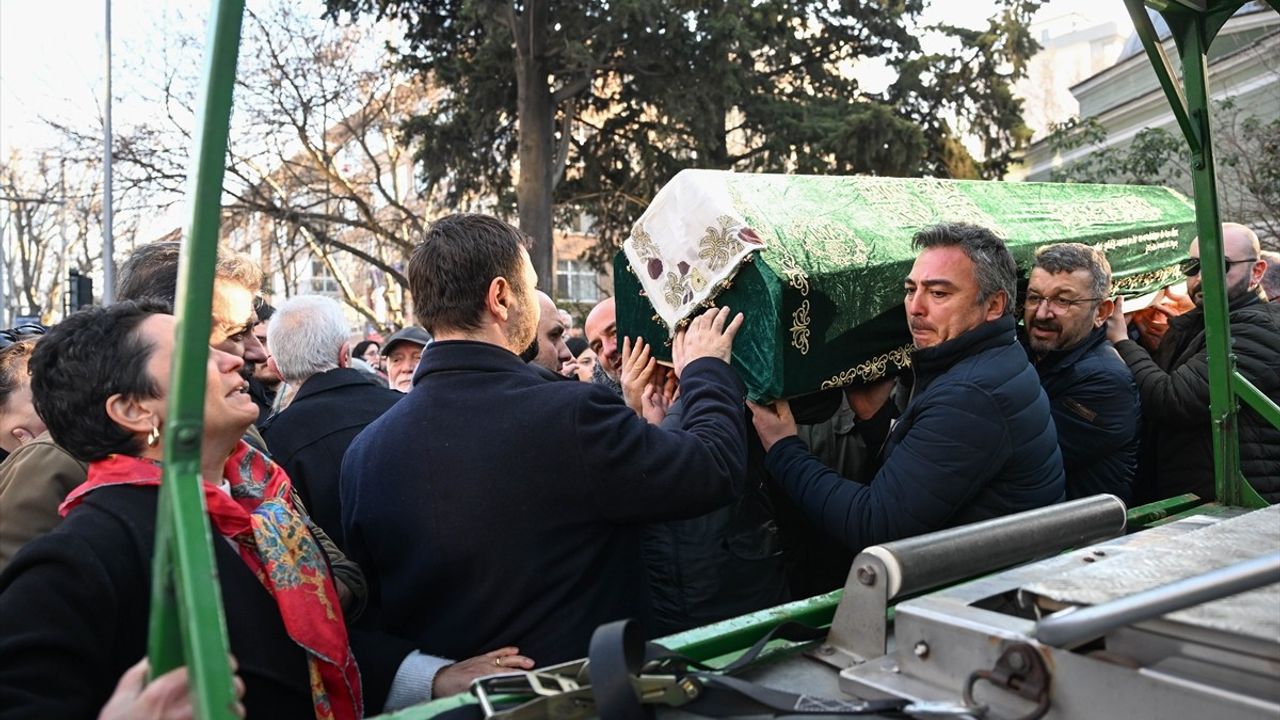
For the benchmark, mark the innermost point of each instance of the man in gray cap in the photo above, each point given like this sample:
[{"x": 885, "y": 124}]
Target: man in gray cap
[{"x": 402, "y": 351}]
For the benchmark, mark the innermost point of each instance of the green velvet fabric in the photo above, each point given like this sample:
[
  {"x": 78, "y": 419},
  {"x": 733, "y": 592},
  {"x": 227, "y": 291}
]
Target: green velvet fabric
[{"x": 823, "y": 300}]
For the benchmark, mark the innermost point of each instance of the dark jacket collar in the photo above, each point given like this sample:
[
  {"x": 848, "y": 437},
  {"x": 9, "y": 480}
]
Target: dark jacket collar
[
  {"x": 331, "y": 379},
  {"x": 1066, "y": 357},
  {"x": 933, "y": 361},
  {"x": 470, "y": 355}
]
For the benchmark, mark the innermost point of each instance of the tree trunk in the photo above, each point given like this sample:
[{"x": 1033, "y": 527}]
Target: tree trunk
[{"x": 536, "y": 138}]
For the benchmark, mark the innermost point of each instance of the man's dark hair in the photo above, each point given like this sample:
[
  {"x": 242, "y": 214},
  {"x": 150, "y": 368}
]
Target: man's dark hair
[
  {"x": 152, "y": 271},
  {"x": 451, "y": 269},
  {"x": 84, "y": 360},
  {"x": 993, "y": 266}
]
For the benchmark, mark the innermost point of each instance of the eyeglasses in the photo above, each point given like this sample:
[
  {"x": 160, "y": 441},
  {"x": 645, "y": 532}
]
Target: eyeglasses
[
  {"x": 20, "y": 333},
  {"x": 1056, "y": 304},
  {"x": 1191, "y": 266}
]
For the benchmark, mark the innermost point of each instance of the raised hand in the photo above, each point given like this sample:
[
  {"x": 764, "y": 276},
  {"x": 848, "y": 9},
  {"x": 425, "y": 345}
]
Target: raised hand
[{"x": 708, "y": 335}]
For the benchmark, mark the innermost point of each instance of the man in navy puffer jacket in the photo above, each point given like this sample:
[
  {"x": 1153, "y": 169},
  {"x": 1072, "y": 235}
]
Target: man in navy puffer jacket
[{"x": 975, "y": 441}]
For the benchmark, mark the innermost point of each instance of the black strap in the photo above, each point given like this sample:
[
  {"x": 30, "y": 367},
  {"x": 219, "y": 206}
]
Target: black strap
[
  {"x": 616, "y": 655},
  {"x": 614, "y": 665}
]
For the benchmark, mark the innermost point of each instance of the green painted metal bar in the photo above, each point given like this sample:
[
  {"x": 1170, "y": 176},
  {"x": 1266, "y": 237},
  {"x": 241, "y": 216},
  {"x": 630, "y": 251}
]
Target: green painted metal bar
[
  {"x": 1222, "y": 407},
  {"x": 1164, "y": 70},
  {"x": 1139, "y": 518},
  {"x": 187, "y": 622},
  {"x": 1254, "y": 398}
]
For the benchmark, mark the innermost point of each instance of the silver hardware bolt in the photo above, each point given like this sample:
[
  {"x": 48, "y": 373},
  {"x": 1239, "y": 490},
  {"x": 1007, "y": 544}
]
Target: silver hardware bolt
[
  {"x": 866, "y": 575},
  {"x": 921, "y": 650}
]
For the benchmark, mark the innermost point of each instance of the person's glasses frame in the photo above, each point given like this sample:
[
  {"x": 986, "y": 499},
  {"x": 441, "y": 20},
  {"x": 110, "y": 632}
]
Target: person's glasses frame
[
  {"x": 1056, "y": 304},
  {"x": 1191, "y": 266},
  {"x": 21, "y": 332}
]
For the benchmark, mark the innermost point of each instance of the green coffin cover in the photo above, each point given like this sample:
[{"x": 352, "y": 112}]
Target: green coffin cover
[{"x": 816, "y": 263}]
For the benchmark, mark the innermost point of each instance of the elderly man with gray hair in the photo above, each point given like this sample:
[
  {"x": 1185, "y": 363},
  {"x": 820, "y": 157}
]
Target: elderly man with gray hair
[
  {"x": 1091, "y": 392},
  {"x": 309, "y": 341}
]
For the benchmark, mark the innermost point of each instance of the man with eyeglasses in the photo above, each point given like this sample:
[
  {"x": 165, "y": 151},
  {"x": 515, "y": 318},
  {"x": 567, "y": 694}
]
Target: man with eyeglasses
[
  {"x": 1091, "y": 391},
  {"x": 1177, "y": 452}
]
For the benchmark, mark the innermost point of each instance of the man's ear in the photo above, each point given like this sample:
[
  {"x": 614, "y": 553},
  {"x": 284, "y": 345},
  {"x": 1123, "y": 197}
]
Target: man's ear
[
  {"x": 498, "y": 299},
  {"x": 1105, "y": 308},
  {"x": 132, "y": 414},
  {"x": 996, "y": 305},
  {"x": 344, "y": 356}
]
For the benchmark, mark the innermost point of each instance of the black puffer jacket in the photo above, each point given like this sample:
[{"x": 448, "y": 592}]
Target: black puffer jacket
[
  {"x": 1097, "y": 415},
  {"x": 1177, "y": 453},
  {"x": 976, "y": 441}
]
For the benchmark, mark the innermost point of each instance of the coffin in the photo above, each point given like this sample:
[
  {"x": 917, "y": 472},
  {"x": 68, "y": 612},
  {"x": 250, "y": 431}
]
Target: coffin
[{"x": 817, "y": 262}]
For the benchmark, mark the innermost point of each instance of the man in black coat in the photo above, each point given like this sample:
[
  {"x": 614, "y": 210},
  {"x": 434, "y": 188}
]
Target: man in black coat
[
  {"x": 1091, "y": 391},
  {"x": 310, "y": 348},
  {"x": 1177, "y": 453},
  {"x": 491, "y": 507},
  {"x": 975, "y": 441}
]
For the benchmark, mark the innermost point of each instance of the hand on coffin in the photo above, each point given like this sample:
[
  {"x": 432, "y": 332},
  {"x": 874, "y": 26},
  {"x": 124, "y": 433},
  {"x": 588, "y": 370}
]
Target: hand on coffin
[
  {"x": 638, "y": 371},
  {"x": 773, "y": 422},
  {"x": 707, "y": 335},
  {"x": 866, "y": 400},
  {"x": 167, "y": 697}
]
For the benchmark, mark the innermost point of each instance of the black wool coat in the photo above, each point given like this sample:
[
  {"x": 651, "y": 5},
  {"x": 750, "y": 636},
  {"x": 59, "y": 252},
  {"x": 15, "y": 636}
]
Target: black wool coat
[
  {"x": 493, "y": 507},
  {"x": 309, "y": 438}
]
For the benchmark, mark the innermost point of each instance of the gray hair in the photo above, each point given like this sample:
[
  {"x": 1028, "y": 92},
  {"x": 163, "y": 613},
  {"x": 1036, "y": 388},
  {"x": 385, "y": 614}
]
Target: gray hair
[
  {"x": 1070, "y": 257},
  {"x": 305, "y": 335},
  {"x": 993, "y": 266}
]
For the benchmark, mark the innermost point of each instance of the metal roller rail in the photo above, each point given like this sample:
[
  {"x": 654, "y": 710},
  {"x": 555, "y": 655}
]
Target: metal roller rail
[
  {"x": 882, "y": 573},
  {"x": 930, "y": 561}
]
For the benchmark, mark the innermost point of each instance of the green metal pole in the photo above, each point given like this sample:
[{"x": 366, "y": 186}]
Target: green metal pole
[
  {"x": 1222, "y": 404},
  {"x": 186, "y": 606}
]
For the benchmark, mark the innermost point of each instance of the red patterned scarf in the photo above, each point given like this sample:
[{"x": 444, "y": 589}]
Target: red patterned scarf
[{"x": 275, "y": 543}]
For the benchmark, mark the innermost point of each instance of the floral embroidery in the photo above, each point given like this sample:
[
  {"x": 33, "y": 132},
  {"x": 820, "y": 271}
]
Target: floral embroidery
[
  {"x": 872, "y": 369},
  {"x": 676, "y": 289},
  {"x": 718, "y": 244},
  {"x": 800, "y": 328}
]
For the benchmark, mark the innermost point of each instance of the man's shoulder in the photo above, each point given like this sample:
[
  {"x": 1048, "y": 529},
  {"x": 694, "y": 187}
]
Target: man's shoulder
[
  {"x": 42, "y": 461},
  {"x": 988, "y": 369}
]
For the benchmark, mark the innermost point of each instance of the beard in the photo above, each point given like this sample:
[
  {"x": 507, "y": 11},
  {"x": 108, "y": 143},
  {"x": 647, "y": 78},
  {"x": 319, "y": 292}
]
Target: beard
[
  {"x": 531, "y": 351},
  {"x": 600, "y": 376}
]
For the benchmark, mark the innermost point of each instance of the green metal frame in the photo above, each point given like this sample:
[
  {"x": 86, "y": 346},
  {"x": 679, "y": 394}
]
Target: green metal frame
[
  {"x": 1193, "y": 25},
  {"x": 187, "y": 624},
  {"x": 187, "y": 621}
]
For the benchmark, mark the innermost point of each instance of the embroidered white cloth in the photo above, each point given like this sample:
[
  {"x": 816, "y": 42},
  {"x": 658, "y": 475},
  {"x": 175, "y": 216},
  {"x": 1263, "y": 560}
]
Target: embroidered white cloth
[{"x": 688, "y": 243}]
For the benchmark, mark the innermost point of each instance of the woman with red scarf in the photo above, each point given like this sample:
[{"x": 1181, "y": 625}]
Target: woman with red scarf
[{"x": 74, "y": 604}]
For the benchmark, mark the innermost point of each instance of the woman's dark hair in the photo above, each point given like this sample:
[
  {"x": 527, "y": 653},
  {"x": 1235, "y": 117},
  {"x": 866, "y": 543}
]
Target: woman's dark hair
[
  {"x": 362, "y": 346},
  {"x": 85, "y": 359}
]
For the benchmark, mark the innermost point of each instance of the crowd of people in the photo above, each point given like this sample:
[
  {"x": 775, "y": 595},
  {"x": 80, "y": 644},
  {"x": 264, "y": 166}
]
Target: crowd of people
[{"x": 474, "y": 495}]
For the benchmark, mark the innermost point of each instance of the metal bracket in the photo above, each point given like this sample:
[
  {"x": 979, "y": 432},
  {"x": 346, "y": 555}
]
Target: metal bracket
[
  {"x": 558, "y": 694},
  {"x": 859, "y": 631}
]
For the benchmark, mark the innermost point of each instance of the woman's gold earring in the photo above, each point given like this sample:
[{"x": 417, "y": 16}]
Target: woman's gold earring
[{"x": 153, "y": 437}]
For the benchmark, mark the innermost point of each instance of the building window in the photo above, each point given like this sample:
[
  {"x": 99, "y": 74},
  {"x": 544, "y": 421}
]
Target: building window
[
  {"x": 322, "y": 280},
  {"x": 576, "y": 282}
]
